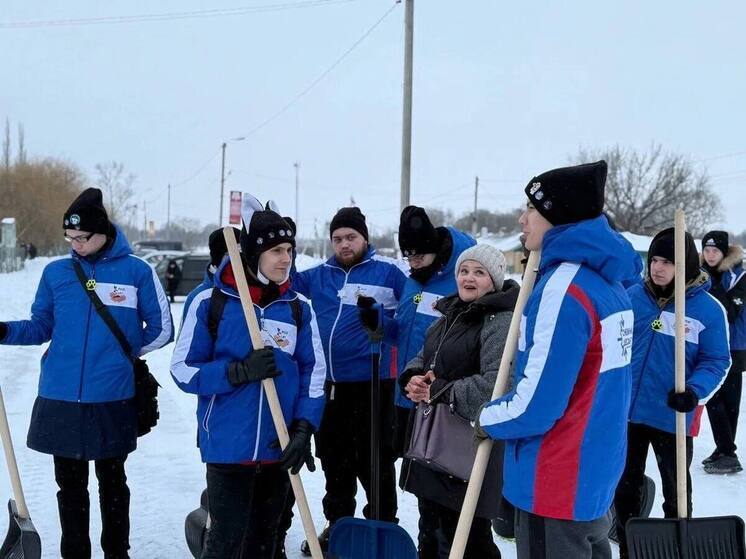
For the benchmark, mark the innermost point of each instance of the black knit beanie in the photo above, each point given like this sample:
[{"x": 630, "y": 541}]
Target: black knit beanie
[
  {"x": 349, "y": 217},
  {"x": 663, "y": 247},
  {"x": 416, "y": 232},
  {"x": 569, "y": 194},
  {"x": 717, "y": 239},
  {"x": 87, "y": 213},
  {"x": 218, "y": 248},
  {"x": 266, "y": 229}
]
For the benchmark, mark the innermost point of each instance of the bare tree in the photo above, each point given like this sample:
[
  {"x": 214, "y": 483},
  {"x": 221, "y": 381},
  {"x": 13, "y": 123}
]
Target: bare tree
[
  {"x": 644, "y": 189},
  {"x": 116, "y": 185}
]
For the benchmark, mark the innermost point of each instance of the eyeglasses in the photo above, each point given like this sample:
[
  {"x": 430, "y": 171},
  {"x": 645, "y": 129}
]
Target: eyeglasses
[{"x": 80, "y": 239}]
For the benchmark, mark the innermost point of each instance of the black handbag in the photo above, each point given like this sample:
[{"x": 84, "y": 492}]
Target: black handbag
[{"x": 146, "y": 386}]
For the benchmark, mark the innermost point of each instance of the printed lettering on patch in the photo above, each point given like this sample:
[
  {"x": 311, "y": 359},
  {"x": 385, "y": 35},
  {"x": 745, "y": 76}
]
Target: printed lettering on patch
[
  {"x": 427, "y": 302},
  {"x": 117, "y": 295},
  {"x": 616, "y": 340},
  {"x": 279, "y": 334}
]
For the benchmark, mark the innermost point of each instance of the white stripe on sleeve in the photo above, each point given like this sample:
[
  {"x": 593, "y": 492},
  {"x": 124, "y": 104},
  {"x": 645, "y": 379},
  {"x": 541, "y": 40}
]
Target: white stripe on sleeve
[
  {"x": 179, "y": 369},
  {"x": 546, "y": 322},
  {"x": 166, "y": 326}
]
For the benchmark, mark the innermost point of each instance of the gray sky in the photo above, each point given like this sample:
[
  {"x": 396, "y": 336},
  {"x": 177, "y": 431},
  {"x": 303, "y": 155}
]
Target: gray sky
[{"x": 503, "y": 90}]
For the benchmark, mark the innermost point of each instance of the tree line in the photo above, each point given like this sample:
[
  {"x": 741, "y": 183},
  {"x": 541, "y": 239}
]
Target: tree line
[{"x": 643, "y": 189}]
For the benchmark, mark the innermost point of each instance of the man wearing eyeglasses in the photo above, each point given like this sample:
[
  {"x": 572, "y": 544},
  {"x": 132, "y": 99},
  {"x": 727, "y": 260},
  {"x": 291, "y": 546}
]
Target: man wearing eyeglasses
[{"x": 85, "y": 410}]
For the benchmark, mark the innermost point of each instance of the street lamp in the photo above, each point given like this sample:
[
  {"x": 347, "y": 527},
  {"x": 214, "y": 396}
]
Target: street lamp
[{"x": 222, "y": 176}]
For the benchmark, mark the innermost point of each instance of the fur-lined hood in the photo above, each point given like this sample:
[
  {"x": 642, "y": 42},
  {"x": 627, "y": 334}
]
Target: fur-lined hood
[{"x": 732, "y": 259}]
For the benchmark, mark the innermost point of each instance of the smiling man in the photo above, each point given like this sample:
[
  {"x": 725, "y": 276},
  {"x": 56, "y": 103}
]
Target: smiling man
[{"x": 564, "y": 422}]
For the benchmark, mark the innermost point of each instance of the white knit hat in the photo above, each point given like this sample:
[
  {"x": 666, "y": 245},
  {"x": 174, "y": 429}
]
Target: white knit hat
[{"x": 488, "y": 256}]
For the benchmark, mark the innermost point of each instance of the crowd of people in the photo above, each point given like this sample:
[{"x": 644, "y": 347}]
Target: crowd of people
[{"x": 591, "y": 387}]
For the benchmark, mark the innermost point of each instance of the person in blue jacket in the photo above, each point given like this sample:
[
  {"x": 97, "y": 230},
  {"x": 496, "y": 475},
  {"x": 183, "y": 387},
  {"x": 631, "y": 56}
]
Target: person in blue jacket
[
  {"x": 652, "y": 417},
  {"x": 343, "y": 441},
  {"x": 218, "y": 250},
  {"x": 85, "y": 410},
  {"x": 564, "y": 421},
  {"x": 432, "y": 253},
  {"x": 724, "y": 264},
  {"x": 247, "y": 483}
]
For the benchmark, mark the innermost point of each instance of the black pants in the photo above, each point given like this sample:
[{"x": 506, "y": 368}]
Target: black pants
[
  {"x": 401, "y": 431},
  {"x": 628, "y": 498},
  {"x": 343, "y": 445},
  {"x": 539, "y": 537},
  {"x": 74, "y": 507},
  {"x": 245, "y": 504},
  {"x": 724, "y": 406},
  {"x": 438, "y": 528}
]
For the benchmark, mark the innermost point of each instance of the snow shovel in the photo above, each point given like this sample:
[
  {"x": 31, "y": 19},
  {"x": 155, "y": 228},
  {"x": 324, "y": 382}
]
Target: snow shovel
[
  {"x": 719, "y": 537},
  {"x": 22, "y": 541},
  {"x": 501, "y": 383},
  {"x": 195, "y": 527},
  {"x": 356, "y": 538},
  {"x": 268, "y": 385}
]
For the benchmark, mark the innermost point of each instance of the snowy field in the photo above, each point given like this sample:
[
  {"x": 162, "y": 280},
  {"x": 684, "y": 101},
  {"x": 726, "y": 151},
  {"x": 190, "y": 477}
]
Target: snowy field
[{"x": 165, "y": 473}]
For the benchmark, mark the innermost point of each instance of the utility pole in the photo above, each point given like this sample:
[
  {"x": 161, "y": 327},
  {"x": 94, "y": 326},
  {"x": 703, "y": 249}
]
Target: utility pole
[
  {"x": 406, "y": 144},
  {"x": 297, "y": 195},
  {"x": 168, "y": 214},
  {"x": 474, "y": 217},
  {"x": 222, "y": 185},
  {"x": 145, "y": 217}
]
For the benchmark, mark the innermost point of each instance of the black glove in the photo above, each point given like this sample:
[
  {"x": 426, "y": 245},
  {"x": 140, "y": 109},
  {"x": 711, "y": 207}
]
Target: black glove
[
  {"x": 369, "y": 313},
  {"x": 479, "y": 433},
  {"x": 3, "y": 331},
  {"x": 298, "y": 450},
  {"x": 260, "y": 364},
  {"x": 683, "y": 402}
]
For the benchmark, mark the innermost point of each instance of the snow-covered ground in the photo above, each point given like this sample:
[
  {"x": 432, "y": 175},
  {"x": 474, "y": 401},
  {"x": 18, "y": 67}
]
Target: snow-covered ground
[{"x": 166, "y": 475}]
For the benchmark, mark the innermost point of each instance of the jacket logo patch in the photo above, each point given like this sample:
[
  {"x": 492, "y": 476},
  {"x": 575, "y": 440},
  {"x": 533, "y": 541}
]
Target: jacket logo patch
[
  {"x": 657, "y": 325},
  {"x": 625, "y": 337},
  {"x": 281, "y": 338},
  {"x": 117, "y": 295},
  {"x": 417, "y": 299}
]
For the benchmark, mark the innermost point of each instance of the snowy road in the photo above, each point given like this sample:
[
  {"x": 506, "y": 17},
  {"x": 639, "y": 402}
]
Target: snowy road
[{"x": 166, "y": 475}]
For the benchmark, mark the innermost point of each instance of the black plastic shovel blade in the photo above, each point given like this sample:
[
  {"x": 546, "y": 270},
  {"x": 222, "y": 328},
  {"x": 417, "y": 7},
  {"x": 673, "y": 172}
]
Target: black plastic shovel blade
[
  {"x": 22, "y": 541},
  {"x": 195, "y": 527},
  {"x": 717, "y": 537},
  {"x": 355, "y": 538}
]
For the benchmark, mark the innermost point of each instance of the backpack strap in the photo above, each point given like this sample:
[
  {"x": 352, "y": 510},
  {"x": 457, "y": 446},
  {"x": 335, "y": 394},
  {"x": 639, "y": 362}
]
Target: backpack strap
[
  {"x": 215, "y": 312},
  {"x": 217, "y": 306}
]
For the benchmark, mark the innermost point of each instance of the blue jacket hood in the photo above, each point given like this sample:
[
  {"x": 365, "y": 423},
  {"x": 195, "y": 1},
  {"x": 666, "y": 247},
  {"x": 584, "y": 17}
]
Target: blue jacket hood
[
  {"x": 120, "y": 247},
  {"x": 593, "y": 243},
  {"x": 461, "y": 241}
]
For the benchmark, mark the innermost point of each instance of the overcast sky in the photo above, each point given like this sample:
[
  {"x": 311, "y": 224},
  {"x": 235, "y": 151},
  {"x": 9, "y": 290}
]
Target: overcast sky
[{"x": 503, "y": 90}]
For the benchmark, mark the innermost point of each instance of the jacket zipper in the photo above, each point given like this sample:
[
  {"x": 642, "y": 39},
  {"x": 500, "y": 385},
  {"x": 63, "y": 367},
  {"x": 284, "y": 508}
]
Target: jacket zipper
[
  {"x": 259, "y": 422},
  {"x": 336, "y": 320},
  {"x": 443, "y": 337},
  {"x": 645, "y": 363},
  {"x": 85, "y": 342}
]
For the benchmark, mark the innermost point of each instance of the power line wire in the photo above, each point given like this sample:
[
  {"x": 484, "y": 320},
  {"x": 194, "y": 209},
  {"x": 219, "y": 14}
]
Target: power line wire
[
  {"x": 326, "y": 72},
  {"x": 170, "y": 16}
]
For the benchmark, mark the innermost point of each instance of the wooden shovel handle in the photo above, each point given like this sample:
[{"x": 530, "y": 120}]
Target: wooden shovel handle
[
  {"x": 269, "y": 388},
  {"x": 485, "y": 447},
  {"x": 10, "y": 458},
  {"x": 680, "y": 308}
]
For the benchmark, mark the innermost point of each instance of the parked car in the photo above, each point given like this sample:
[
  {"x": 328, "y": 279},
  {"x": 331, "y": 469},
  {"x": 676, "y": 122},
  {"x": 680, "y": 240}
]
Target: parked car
[
  {"x": 142, "y": 247},
  {"x": 193, "y": 267},
  {"x": 154, "y": 257}
]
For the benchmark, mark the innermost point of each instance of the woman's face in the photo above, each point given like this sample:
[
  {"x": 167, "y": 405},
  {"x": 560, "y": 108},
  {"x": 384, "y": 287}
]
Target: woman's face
[
  {"x": 473, "y": 281},
  {"x": 275, "y": 263}
]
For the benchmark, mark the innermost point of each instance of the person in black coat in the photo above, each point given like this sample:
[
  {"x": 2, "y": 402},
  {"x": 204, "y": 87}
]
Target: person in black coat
[
  {"x": 459, "y": 361},
  {"x": 173, "y": 277}
]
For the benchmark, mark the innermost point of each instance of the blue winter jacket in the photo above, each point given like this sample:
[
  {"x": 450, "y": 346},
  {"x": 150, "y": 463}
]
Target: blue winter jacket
[
  {"x": 416, "y": 310},
  {"x": 707, "y": 354},
  {"x": 208, "y": 282},
  {"x": 565, "y": 421},
  {"x": 235, "y": 423},
  {"x": 333, "y": 292},
  {"x": 731, "y": 278},
  {"x": 84, "y": 362}
]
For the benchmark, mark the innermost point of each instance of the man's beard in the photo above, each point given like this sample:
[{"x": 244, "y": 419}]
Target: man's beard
[{"x": 355, "y": 258}]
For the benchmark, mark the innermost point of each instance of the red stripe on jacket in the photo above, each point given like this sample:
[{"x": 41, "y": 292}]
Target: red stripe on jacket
[{"x": 558, "y": 460}]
